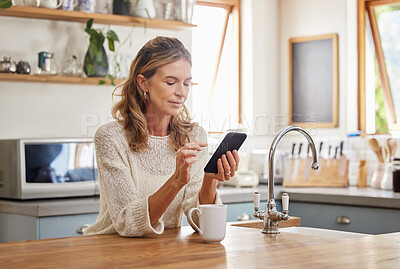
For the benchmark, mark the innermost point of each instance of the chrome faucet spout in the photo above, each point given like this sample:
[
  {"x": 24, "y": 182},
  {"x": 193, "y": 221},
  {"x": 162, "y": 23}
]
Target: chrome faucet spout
[
  {"x": 274, "y": 144},
  {"x": 271, "y": 216}
]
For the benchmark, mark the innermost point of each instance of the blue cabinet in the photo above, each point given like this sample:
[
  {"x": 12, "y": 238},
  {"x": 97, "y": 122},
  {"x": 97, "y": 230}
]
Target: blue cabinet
[
  {"x": 15, "y": 227},
  {"x": 361, "y": 219}
]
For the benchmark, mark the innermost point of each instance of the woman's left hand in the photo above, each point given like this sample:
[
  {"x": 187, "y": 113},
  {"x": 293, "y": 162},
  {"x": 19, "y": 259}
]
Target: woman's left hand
[{"x": 227, "y": 166}]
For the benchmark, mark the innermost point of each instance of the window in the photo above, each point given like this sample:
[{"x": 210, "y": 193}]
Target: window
[
  {"x": 215, "y": 52},
  {"x": 379, "y": 74}
]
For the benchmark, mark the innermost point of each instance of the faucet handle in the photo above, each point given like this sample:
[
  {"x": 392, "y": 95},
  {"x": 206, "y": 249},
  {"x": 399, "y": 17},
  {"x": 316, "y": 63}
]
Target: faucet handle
[
  {"x": 256, "y": 201},
  {"x": 285, "y": 202}
]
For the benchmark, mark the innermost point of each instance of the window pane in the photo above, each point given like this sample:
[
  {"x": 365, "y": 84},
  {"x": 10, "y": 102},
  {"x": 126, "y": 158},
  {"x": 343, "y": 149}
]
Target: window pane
[
  {"x": 388, "y": 18},
  {"x": 215, "y": 110}
]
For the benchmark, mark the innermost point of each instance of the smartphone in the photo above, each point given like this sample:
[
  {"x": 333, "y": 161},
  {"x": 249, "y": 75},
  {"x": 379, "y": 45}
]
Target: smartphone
[{"x": 230, "y": 142}]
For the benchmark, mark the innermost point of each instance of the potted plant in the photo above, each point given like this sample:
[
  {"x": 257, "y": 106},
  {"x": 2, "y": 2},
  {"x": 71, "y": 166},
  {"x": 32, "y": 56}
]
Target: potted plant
[{"x": 96, "y": 62}]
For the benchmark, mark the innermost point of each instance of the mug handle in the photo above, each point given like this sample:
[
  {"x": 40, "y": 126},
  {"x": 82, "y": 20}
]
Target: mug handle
[
  {"x": 190, "y": 220},
  {"x": 75, "y": 3},
  {"x": 60, "y": 2}
]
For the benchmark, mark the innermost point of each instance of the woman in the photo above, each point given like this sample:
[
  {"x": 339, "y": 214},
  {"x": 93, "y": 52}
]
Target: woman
[{"x": 151, "y": 160}]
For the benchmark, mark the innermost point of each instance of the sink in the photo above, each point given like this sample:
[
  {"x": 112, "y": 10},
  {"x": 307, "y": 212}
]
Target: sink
[{"x": 320, "y": 232}]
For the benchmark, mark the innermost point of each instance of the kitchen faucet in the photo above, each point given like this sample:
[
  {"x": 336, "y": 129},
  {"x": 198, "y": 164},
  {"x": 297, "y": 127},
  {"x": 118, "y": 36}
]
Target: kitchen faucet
[{"x": 271, "y": 216}]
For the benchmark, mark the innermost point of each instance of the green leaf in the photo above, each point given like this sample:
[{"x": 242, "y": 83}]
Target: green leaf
[
  {"x": 5, "y": 3},
  {"x": 127, "y": 1},
  {"x": 148, "y": 14},
  {"x": 137, "y": 2},
  {"x": 102, "y": 82},
  {"x": 89, "y": 24},
  {"x": 111, "y": 34},
  {"x": 111, "y": 44},
  {"x": 112, "y": 79}
]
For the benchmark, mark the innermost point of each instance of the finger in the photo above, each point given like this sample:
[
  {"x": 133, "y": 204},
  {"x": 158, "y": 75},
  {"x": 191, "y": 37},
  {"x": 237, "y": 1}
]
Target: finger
[
  {"x": 227, "y": 168},
  {"x": 220, "y": 175},
  {"x": 232, "y": 163},
  {"x": 188, "y": 153},
  {"x": 200, "y": 143},
  {"x": 237, "y": 159},
  {"x": 192, "y": 146}
]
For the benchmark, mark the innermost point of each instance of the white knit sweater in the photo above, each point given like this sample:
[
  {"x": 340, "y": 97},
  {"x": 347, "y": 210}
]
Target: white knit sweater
[{"x": 127, "y": 179}]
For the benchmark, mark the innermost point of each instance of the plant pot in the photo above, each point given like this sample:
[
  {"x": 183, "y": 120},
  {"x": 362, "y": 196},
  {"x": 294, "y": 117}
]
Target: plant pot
[
  {"x": 100, "y": 69},
  {"x": 120, "y": 7}
]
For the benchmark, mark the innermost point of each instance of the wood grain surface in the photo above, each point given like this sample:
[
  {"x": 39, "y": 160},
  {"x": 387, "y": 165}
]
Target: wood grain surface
[{"x": 183, "y": 248}]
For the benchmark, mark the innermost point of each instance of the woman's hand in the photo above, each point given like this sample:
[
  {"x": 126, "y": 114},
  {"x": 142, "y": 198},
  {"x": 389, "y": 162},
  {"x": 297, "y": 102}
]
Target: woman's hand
[
  {"x": 227, "y": 166},
  {"x": 185, "y": 157}
]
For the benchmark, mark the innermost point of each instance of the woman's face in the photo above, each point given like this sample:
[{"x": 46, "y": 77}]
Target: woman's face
[{"x": 168, "y": 88}]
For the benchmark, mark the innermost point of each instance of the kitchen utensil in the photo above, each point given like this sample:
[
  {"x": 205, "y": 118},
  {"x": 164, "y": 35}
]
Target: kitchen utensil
[
  {"x": 362, "y": 174},
  {"x": 297, "y": 164},
  {"x": 7, "y": 66},
  {"x": 69, "y": 5},
  {"x": 289, "y": 164},
  {"x": 212, "y": 220},
  {"x": 374, "y": 145},
  {"x": 52, "y": 4},
  {"x": 46, "y": 63},
  {"x": 393, "y": 147},
  {"x": 343, "y": 162},
  {"x": 23, "y": 68},
  {"x": 307, "y": 167}
]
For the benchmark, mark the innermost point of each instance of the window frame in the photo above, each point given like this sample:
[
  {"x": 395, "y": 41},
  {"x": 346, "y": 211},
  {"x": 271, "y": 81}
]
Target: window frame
[
  {"x": 366, "y": 7},
  {"x": 233, "y": 7}
]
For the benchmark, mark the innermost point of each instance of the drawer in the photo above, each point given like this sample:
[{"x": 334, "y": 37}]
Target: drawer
[
  {"x": 63, "y": 226},
  {"x": 362, "y": 219}
]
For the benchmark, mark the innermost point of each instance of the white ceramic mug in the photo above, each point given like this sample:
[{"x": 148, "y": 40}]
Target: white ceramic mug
[
  {"x": 212, "y": 220},
  {"x": 53, "y": 4},
  {"x": 69, "y": 4}
]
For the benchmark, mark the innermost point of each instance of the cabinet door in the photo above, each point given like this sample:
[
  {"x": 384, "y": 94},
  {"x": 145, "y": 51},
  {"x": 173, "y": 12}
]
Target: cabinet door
[
  {"x": 362, "y": 219},
  {"x": 63, "y": 226}
]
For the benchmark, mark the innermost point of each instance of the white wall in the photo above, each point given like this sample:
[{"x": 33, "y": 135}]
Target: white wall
[
  {"x": 315, "y": 17},
  {"x": 31, "y": 110}
]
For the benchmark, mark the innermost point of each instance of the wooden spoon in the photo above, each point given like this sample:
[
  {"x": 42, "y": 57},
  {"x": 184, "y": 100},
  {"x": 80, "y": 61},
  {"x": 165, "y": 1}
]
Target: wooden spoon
[
  {"x": 374, "y": 145},
  {"x": 393, "y": 147}
]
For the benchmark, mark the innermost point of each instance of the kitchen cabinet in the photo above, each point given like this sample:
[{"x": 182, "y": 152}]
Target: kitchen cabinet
[
  {"x": 82, "y": 17},
  {"x": 368, "y": 220},
  {"x": 15, "y": 227}
]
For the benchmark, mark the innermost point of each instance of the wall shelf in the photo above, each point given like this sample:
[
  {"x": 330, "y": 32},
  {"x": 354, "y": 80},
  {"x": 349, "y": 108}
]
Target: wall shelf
[
  {"x": 54, "y": 79},
  {"x": 78, "y": 16}
]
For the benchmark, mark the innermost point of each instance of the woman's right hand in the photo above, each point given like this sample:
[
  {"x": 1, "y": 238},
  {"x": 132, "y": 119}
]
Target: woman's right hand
[{"x": 185, "y": 157}]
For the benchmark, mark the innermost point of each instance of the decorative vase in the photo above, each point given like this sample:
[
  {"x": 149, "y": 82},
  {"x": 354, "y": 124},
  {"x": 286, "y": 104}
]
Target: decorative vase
[
  {"x": 143, "y": 9},
  {"x": 120, "y": 7},
  {"x": 100, "y": 69}
]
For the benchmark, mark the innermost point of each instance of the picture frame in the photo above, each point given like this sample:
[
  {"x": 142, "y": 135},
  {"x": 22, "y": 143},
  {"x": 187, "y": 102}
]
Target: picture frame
[{"x": 314, "y": 81}]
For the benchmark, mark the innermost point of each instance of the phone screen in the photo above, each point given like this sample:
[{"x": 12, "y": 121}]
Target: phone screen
[{"x": 230, "y": 142}]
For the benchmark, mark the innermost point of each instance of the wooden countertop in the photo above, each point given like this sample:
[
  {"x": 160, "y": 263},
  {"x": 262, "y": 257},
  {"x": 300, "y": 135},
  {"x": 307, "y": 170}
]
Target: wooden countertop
[{"x": 182, "y": 248}]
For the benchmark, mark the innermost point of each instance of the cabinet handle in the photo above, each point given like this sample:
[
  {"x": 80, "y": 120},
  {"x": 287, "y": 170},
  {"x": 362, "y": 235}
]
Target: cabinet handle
[
  {"x": 343, "y": 220},
  {"x": 81, "y": 229},
  {"x": 243, "y": 217}
]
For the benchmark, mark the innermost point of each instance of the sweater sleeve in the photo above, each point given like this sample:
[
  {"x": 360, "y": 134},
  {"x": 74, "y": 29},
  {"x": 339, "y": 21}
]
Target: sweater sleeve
[
  {"x": 128, "y": 212},
  {"x": 192, "y": 189}
]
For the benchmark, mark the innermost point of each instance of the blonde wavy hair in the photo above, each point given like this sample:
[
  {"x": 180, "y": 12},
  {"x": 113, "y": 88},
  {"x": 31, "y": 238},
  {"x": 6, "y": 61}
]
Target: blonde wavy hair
[{"x": 130, "y": 110}]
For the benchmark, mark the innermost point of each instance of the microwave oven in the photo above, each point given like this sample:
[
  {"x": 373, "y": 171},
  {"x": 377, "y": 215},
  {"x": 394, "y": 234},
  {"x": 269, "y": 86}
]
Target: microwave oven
[{"x": 47, "y": 168}]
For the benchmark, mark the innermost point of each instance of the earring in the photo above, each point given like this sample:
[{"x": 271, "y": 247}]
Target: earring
[{"x": 144, "y": 94}]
